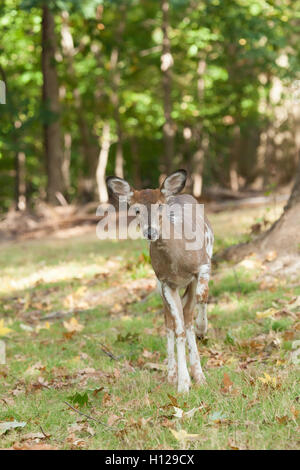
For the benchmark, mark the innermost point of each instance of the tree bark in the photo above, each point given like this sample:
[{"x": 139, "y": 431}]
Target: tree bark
[
  {"x": 119, "y": 165},
  {"x": 137, "y": 180},
  {"x": 115, "y": 80},
  {"x": 284, "y": 235},
  {"x": 52, "y": 131},
  {"x": 102, "y": 163},
  {"x": 198, "y": 157},
  {"x": 90, "y": 151},
  {"x": 20, "y": 161},
  {"x": 166, "y": 67},
  {"x": 295, "y": 194}
]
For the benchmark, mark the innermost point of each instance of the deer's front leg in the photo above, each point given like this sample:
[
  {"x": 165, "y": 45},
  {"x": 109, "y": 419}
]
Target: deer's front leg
[
  {"x": 172, "y": 366},
  {"x": 173, "y": 303},
  {"x": 188, "y": 313}
]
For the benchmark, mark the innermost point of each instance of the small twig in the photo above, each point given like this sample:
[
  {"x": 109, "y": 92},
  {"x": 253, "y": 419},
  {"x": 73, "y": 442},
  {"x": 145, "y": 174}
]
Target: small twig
[
  {"x": 46, "y": 435},
  {"x": 89, "y": 417},
  {"x": 61, "y": 314},
  {"x": 109, "y": 353}
]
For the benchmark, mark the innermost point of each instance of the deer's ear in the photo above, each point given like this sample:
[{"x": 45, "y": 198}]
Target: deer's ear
[
  {"x": 174, "y": 183},
  {"x": 119, "y": 188}
]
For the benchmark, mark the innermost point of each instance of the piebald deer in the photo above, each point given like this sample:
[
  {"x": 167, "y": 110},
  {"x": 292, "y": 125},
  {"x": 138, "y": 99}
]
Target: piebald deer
[{"x": 176, "y": 266}]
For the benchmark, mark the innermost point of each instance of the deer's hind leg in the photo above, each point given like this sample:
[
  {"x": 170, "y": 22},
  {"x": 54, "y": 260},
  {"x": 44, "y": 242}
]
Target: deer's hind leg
[
  {"x": 188, "y": 313},
  {"x": 201, "y": 301}
]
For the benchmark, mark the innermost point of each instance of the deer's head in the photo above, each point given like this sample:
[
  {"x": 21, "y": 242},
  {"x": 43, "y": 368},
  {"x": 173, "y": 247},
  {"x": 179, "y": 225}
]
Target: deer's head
[{"x": 148, "y": 204}]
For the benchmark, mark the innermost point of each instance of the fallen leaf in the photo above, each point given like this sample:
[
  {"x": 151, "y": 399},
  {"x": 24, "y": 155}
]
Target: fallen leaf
[
  {"x": 270, "y": 312},
  {"x": 271, "y": 255},
  {"x": 3, "y": 329},
  {"x": 73, "y": 325},
  {"x": 75, "y": 441},
  {"x": 6, "y": 426},
  {"x": 44, "y": 326},
  {"x": 26, "y": 446},
  {"x": 112, "y": 419},
  {"x": 268, "y": 380},
  {"x": 156, "y": 366},
  {"x": 173, "y": 400},
  {"x": 78, "y": 399},
  {"x": 217, "y": 417},
  {"x": 282, "y": 419},
  {"x": 34, "y": 435},
  {"x": 179, "y": 413},
  {"x": 183, "y": 436},
  {"x": 34, "y": 369},
  {"x": 227, "y": 382},
  {"x": 25, "y": 327},
  {"x": 233, "y": 445}
]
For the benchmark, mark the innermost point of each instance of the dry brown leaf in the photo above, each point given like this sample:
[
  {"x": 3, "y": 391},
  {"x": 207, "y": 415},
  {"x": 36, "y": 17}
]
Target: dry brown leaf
[
  {"x": 112, "y": 419},
  {"x": 156, "y": 366},
  {"x": 183, "y": 436},
  {"x": 73, "y": 326},
  {"x": 271, "y": 255},
  {"x": 29, "y": 446}
]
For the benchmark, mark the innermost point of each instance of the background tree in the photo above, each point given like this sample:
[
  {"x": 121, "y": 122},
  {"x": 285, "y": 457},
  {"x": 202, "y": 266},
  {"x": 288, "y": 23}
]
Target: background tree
[{"x": 209, "y": 86}]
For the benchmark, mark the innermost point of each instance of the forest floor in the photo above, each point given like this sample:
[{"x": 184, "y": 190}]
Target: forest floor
[{"x": 86, "y": 355}]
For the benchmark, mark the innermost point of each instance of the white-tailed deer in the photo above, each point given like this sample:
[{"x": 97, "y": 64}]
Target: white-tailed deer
[{"x": 176, "y": 266}]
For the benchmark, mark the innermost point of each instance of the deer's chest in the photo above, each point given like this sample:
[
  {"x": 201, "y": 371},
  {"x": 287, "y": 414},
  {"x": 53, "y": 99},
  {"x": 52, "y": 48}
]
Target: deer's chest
[{"x": 174, "y": 266}]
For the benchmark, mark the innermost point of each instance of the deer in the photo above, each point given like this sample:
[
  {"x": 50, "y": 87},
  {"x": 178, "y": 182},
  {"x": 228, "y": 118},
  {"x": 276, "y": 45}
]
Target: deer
[{"x": 176, "y": 267}]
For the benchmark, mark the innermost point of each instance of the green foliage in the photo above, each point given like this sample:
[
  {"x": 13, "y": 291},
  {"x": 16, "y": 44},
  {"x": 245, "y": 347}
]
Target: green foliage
[
  {"x": 239, "y": 41},
  {"x": 79, "y": 399}
]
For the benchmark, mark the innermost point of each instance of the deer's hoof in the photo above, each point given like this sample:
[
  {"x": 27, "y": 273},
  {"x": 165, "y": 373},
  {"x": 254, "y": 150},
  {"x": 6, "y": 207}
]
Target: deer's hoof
[
  {"x": 201, "y": 332},
  {"x": 200, "y": 380},
  {"x": 184, "y": 385},
  {"x": 172, "y": 379}
]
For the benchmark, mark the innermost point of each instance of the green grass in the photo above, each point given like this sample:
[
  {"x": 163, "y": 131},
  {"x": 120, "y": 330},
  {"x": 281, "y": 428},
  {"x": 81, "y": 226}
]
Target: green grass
[{"x": 133, "y": 397}]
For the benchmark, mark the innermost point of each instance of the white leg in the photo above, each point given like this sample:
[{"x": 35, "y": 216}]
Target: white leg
[
  {"x": 172, "y": 366},
  {"x": 201, "y": 320},
  {"x": 196, "y": 369},
  {"x": 173, "y": 301},
  {"x": 201, "y": 295}
]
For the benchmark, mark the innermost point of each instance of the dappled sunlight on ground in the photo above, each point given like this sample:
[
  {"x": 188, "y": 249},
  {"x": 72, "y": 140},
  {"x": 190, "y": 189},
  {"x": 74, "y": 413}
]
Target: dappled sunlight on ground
[{"x": 83, "y": 325}]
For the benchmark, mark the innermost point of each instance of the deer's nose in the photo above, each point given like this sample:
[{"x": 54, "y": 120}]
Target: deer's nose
[{"x": 151, "y": 234}]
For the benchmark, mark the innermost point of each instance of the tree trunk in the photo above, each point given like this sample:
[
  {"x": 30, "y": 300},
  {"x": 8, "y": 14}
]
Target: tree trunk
[
  {"x": 198, "y": 157},
  {"x": 137, "y": 180},
  {"x": 284, "y": 235},
  {"x": 20, "y": 160},
  {"x": 52, "y": 132},
  {"x": 90, "y": 151},
  {"x": 166, "y": 66},
  {"x": 295, "y": 194},
  {"x": 119, "y": 170},
  {"x": 102, "y": 163},
  {"x": 20, "y": 157},
  {"x": 115, "y": 80}
]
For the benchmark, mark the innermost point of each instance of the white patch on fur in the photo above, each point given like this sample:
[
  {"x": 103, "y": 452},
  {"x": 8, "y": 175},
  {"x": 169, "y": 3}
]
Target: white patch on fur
[
  {"x": 204, "y": 273},
  {"x": 183, "y": 375},
  {"x": 201, "y": 320},
  {"x": 200, "y": 289},
  {"x": 209, "y": 240}
]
